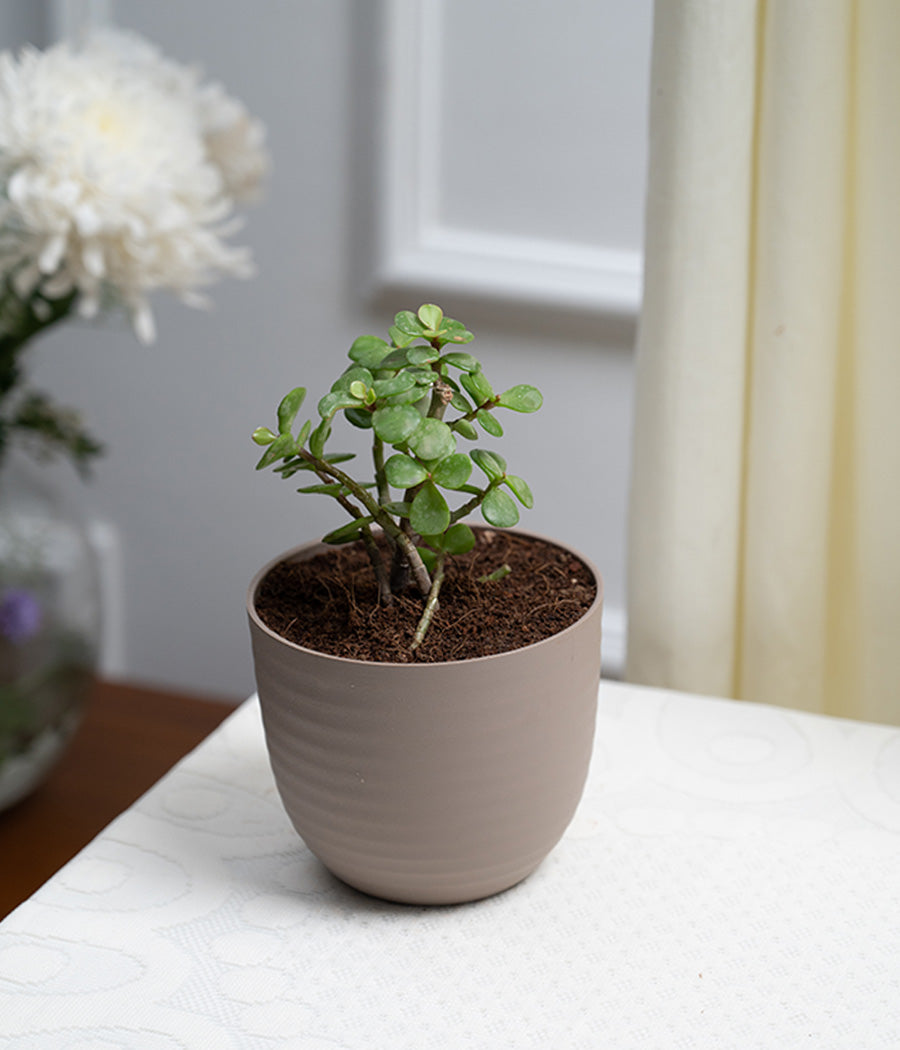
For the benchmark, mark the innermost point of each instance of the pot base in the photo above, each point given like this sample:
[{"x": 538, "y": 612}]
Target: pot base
[{"x": 433, "y": 894}]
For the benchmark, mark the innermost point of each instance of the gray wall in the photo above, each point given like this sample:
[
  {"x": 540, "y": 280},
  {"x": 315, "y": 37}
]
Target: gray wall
[{"x": 193, "y": 519}]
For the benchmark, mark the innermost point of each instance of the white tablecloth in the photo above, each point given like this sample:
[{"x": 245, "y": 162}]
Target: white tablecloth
[{"x": 731, "y": 880}]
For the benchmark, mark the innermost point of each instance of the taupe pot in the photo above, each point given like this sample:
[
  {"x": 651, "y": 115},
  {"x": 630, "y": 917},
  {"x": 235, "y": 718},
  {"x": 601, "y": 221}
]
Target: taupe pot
[{"x": 430, "y": 783}]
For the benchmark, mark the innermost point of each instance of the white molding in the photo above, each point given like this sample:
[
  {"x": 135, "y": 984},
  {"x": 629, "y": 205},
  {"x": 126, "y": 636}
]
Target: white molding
[
  {"x": 614, "y": 642},
  {"x": 105, "y": 540},
  {"x": 70, "y": 19},
  {"x": 415, "y": 249}
]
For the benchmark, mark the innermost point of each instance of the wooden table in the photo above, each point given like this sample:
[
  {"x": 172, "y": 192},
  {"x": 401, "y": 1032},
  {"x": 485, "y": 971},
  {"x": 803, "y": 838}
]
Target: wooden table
[{"x": 130, "y": 737}]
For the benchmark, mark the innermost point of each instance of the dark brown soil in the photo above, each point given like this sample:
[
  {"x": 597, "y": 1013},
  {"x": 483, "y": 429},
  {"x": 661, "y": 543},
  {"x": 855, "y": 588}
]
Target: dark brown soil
[{"x": 329, "y": 603}]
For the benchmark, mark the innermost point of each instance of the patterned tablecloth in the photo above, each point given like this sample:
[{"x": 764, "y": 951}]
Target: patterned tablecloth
[{"x": 731, "y": 880}]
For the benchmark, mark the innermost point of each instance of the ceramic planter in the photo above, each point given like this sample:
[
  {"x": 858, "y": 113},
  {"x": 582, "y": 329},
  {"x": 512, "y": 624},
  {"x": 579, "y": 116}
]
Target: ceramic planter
[{"x": 430, "y": 783}]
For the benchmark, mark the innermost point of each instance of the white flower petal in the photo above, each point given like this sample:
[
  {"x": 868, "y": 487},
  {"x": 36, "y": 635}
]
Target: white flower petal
[
  {"x": 144, "y": 326},
  {"x": 87, "y": 219},
  {"x": 88, "y": 305},
  {"x": 52, "y": 254},
  {"x": 92, "y": 258},
  {"x": 121, "y": 172},
  {"x": 196, "y": 300},
  {"x": 25, "y": 280},
  {"x": 58, "y": 285},
  {"x": 17, "y": 187}
]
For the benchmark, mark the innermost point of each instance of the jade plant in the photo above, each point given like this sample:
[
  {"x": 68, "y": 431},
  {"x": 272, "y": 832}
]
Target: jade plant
[{"x": 419, "y": 394}]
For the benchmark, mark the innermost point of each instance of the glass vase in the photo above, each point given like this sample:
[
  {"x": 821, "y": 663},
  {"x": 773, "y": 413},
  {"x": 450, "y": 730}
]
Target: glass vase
[{"x": 49, "y": 624}]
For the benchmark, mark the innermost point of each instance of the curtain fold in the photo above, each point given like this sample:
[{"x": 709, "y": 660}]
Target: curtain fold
[{"x": 764, "y": 558}]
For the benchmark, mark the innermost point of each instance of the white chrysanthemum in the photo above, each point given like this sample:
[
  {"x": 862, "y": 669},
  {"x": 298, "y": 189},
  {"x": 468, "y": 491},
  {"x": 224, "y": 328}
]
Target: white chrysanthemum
[{"x": 120, "y": 173}]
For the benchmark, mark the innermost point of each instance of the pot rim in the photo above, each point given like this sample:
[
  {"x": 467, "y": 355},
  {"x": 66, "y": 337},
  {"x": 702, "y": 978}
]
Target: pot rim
[{"x": 286, "y": 555}]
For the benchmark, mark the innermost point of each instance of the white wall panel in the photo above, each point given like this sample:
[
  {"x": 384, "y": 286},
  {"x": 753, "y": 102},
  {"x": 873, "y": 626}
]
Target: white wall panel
[
  {"x": 515, "y": 149},
  {"x": 177, "y": 482}
]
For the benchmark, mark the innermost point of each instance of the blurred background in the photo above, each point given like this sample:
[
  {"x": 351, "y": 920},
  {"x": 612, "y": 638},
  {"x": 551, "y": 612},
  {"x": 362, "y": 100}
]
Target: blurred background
[{"x": 487, "y": 155}]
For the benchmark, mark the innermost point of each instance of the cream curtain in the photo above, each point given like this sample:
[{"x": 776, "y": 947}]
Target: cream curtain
[{"x": 765, "y": 506}]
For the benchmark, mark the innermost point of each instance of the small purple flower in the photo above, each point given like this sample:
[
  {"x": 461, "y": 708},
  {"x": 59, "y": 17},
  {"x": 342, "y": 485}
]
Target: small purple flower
[{"x": 20, "y": 615}]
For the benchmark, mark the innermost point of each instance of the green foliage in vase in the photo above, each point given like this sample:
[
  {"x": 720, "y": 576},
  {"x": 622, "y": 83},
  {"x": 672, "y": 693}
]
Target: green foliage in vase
[
  {"x": 45, "y": 427},
  {"x": 419, "y": 394}
]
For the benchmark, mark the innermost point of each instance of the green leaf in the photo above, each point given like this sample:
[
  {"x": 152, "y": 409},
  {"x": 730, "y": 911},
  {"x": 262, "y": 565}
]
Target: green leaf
[
  {"x": 409, "y": 397},
  {"x": 408, "y": 323},
  {"x": 429, "y": 513},
  {"x": 453, "y": 471},
  {"x": 492, "y": 463},
  {"x": 397, "y": 384},
  {"x": 496, "y": 576},
  {"x": 293, "y": 466},
  {"x": 464, "y": 362},
  {"x": 368, "y": 351},
  {"x": 395, "y": 359},
  {"x": 421, "y": 355},
  {"x": 358, "y": 389},
  {"x": 461, "y": 403},
  {"x": 521, "y": 490},
  {"x": 403, "y": 472},
  {"x": 263, "y": 436},
  {"x": 477, "y": 387},
  {"x": 282, "y": 447},
  {"x": 401, "y": 339},
  {"x": 359, "y": 417},
  {"x": 349, "y": 532},
  {"x": 458, "y": 539},
  {"x": 521, "y": 398},
  {"x": 288, "y": 409},
  {"x": 431, "y": 317},
  {"x": 499, "y": 510},
  {"x": 318, "y": 438},
  {"x": 398, "y": 508},
  {"x": 336, "y": 400},
  {"x": 465, "y": 429},
  {"x": 432, "y": 440},
  {"x": 455, "y": 332},
  {"x": 350, "y": 376},
  {"x": 428, "y": 557},
  {"x": 338, "y": 457},
  {"x": 304, "y": 433},
  {"x": 422, "y": 375},
  {"x": 395, "y": 423},
  {"x": 490, "y": 423},
  {"x": 333, "y": 488}
]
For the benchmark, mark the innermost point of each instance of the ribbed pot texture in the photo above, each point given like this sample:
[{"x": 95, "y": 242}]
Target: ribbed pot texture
[{"x": 430, "y": 783}]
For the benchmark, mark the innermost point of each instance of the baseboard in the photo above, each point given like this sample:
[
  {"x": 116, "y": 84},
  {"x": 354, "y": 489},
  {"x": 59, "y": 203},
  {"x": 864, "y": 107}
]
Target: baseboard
[
  {"x": 105, "y": 540},
  {"x": 615, "y": 639}
]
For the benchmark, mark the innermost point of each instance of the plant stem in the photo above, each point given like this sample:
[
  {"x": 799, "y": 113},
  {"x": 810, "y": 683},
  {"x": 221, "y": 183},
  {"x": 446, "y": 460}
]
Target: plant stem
[
  {"x": 431, "y": 604},
  {"x": 380, "y": 480},
  {"x": 441, "y": 393},
  {"x": 420, "y": 573},
  {"x": 385, "y": 595},
  {"x": 473, "y": 504},
  {"x": 400, "y": 570},
  {"x": 386, "y": 583}
]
